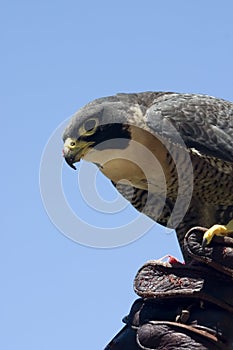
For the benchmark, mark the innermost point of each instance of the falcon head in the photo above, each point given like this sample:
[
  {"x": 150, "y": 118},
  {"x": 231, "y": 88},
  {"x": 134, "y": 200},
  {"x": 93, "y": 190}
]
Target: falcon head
[{"x": 100, "y": 125}]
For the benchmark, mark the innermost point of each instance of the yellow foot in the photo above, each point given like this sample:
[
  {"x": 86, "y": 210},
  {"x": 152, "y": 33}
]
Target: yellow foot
[{"x": 217, "y": 230}]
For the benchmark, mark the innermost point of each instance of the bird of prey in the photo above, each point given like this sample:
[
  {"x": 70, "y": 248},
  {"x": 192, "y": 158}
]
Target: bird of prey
[{"x": 170, "y": 154}]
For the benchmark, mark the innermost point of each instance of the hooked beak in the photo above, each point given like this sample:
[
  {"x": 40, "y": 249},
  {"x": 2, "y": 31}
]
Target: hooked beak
[
  {"x": 73, "y": 153},
  {"x": 69, "y": 157},
  {"x": 70, "y": 162}
]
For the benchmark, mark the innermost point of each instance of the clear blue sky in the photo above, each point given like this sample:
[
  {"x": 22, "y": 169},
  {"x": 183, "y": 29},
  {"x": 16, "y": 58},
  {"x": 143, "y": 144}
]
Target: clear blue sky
[{"x": 55, "y": 57}]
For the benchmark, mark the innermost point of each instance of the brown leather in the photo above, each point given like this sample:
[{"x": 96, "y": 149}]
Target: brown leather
[
  {"x": 160, "y": 280},
  {"x": 183, "y": 306},
  {"x": 218, "y": 255}
]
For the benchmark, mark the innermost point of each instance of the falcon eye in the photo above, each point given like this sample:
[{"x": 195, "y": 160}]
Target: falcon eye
[
  {"x": 72, "y": 144},
  {"x": 89, "y": 127},
  {"x": 90, "y": 124}
]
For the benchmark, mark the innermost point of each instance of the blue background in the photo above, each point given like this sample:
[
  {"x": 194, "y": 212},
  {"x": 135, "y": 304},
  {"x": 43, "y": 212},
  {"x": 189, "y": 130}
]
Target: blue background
[{"x": 55, "y": 57}]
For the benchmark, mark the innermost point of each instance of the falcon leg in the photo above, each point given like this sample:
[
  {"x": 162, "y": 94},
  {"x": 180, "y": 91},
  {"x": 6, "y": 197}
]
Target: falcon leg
[{"x": 216, "y": 230}]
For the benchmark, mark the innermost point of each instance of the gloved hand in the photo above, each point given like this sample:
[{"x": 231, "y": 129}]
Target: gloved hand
[{"x": 183, "y": 306}]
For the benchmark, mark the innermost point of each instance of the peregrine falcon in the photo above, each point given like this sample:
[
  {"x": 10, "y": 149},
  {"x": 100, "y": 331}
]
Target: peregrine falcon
[{"x": 170, "y": 154}]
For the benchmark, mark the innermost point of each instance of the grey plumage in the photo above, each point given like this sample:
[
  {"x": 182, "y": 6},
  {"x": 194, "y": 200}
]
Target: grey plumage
[
  {"x": 203, "y": 122},
  {"x": 197, "y": 133}
]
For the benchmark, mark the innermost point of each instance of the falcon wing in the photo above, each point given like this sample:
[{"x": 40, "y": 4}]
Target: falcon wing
[{"x": 201, "y": 122}]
